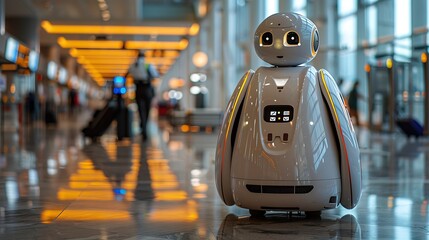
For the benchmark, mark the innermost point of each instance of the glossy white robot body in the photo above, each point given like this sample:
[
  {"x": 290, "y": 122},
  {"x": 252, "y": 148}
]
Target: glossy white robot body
[{"x": 287, "y": 142}]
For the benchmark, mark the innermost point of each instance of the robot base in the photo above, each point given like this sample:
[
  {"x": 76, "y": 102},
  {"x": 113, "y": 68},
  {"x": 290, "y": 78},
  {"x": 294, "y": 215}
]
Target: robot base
[
  {"x": 289, "y": 196},
  {"x": 261, "y": 213}
]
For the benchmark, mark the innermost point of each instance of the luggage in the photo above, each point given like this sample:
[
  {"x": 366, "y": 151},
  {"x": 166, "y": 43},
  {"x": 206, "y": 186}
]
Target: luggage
[
  {"x": 410, "y": 127},
  {"x": 50, "y": 117},
  {"x": 101, "y": 120},
  {"x": 124, "y": 126}
]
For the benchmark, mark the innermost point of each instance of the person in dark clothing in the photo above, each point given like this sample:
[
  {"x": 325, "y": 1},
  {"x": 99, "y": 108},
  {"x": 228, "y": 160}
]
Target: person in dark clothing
[
  {"x": 143, "y": 75},
  {"x": 353, "y": 102}
]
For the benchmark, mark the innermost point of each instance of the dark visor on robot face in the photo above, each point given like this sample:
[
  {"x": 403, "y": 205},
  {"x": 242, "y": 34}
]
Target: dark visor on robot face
[{"x": 266, "y": 39}]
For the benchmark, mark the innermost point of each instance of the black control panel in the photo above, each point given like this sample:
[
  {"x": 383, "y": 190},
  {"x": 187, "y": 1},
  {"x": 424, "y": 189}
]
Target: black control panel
[{"x": 278, "y": 113}]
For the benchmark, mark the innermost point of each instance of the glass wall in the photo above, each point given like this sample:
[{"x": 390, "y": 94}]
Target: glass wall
[{"x": 353, "y": 33}]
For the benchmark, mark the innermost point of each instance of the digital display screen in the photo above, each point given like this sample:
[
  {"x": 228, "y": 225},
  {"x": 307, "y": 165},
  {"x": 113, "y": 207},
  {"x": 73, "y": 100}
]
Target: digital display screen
[
  {"x": 52, "y": 70},
  {"x": 62, "y": 76},
  {"x": 11, "y": 52},
  {"x": 278, "y": 113},
  {"x": 33, "y": 61}
]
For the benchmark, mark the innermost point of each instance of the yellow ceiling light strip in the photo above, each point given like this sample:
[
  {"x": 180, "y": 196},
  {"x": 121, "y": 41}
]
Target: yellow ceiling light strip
[
  {"x": 113, "y": 53},
  {"x": 102, "y": 71},
  {"x": 107, "y": 57},
  {"x": 161, "y": 61},
  {"x": 106, "y": 44},
  {"x": 194, "y": 29},
  {"x": 122, "y": 30},
  {"x": 162, "y": 53},
  {"x": 180, "y": 45},
  {"x": 109, "y": 66},
  {"x": 82, "y": 60},
  {"x": 111, "y": 74}
]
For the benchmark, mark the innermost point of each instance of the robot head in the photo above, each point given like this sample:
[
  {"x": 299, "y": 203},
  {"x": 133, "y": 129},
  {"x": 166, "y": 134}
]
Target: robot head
[{"x": 286, "y": 39}]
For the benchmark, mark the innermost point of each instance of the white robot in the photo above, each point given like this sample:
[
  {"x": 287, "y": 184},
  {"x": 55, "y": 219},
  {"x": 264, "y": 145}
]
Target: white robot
[{"x": 287, "y": 142}]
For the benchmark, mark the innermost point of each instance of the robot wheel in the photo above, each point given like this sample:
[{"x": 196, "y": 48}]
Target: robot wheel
[
  {"x": 313, "y": 214},
  {"x": 257, "y": 213}
]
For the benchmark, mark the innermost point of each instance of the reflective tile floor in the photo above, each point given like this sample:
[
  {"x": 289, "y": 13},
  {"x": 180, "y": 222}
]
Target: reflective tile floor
[{"x": 56, "y": 185}]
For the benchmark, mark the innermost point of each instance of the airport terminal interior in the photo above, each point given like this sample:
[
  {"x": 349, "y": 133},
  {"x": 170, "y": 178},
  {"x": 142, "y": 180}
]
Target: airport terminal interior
[{"x": 76, "y": 162}]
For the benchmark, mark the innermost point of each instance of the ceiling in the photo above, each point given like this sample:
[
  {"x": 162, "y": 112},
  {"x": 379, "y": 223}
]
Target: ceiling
[{"x": 148, "y": 18}]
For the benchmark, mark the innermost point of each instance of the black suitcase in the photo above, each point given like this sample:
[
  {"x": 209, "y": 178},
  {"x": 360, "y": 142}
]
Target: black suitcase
[
  {"x": 124, "y": 126},
  {"x": 101, "y": 121},
  {"x": 410, "y": 127}
]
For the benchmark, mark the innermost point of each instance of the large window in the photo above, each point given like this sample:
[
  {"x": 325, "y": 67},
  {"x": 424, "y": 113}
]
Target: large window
[
  {"x": 299, "y": 6},
  {"x": 371, "y": 20},
  {"x": 346, "y": 7},
  {"x": 271, "y": 7},
  {"x": 402, "y": 28},
  {"x": 347, "y": 32}
]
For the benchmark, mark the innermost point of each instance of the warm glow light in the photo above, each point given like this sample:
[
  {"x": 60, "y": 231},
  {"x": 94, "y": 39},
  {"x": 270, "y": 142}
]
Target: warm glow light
[
  {"x": 162, "y": 53},
  {"x": 389, "y": 63},
  {"x": 107, "y": 53},
  {"x": 101, "y": 71},
  {"x": 122, "y": 30},
  {"x": 90, "y": 178},
  {"x": 9, "y": 67},
  {"x": 195, "y": 28},
  {"x": 48, "y": 216},
  {"x": 424, "y": 57},
  {"x": 106, "y": 66},
  {"x": 170, "y": 195},
  {"x": 111, "y": 75},
  {"x": 12, "y": 88},
  {"x": 185, "y": 128},
  {"x": 176, "y": 83},
  {"x": 132, "y": 58},
  {"x": 186, "y": 213},
  {"x": 156, "y": 61},
  {"x": 87, "y": 164},
  {"x": 367, "y": 68},
  {"x": 202, "y": 8},
  {"x": 83, "y": 60},
  {"x": 195, "y": 129},
  {"x": 200, "y": 59},
  {"x": 182, "y": 44},
  {"x": 164, "y": 185},
  {"x": 105, "y": 44}
]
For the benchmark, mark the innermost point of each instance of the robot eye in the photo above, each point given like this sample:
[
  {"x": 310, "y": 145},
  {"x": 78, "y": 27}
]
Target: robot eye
[
  {"x": 291, "y": 39},
  {"x": 266, "y": 39}
]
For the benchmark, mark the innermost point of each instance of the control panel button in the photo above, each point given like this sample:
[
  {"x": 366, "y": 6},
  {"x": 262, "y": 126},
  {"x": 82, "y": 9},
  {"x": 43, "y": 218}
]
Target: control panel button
[{"x": 278, "y": 113}]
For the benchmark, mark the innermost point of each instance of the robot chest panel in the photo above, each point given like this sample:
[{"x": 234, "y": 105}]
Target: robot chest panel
[
  {"x": 277, "y": 100},
  {"x": 278, "y": 93}
]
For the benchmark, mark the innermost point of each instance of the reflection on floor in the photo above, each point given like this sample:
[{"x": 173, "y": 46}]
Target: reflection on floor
[{"x": 56, "y": 185}]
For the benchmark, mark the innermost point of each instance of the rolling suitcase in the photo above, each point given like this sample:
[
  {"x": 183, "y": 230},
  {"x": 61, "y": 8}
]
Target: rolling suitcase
[
  {"x": 410, "y": 127},
  {"x": 124, "y": 126},
  {"x": 101, "y": 121}
]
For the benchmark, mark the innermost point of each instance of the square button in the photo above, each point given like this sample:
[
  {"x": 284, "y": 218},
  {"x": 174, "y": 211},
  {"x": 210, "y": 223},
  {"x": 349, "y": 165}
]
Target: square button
[
  {"x": 273, "y": 113},
  {"x": 286, "y": 119},
  {"x": 286, "y": 113},
  {"x": 272, "y": 119}
]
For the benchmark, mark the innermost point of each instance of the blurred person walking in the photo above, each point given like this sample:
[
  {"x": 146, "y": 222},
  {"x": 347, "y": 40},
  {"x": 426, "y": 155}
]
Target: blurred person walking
[{"x": 143, "y": 75}]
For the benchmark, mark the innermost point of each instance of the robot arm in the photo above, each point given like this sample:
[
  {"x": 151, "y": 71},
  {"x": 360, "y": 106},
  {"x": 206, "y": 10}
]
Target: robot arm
[
  {"x": 224, "y": 142},
  {"x": 351, "y": 181}
]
